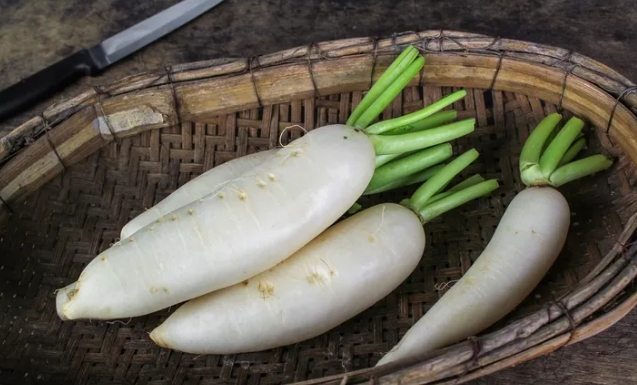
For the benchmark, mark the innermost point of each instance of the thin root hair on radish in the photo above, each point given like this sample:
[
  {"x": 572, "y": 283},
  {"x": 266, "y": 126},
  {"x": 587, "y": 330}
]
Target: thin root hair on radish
[{"x": 288, "y": 128}]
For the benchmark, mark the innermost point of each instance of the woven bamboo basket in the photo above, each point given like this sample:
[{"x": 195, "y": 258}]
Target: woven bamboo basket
[{"x": 71, "y": 177}]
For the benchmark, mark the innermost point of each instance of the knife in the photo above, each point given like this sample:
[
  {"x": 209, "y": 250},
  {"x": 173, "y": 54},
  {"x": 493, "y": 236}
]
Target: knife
[{"x": 94, "y": 60}]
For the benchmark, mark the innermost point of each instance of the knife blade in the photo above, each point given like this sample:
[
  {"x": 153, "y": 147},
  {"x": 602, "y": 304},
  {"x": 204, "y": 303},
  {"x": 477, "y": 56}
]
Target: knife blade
[{"x": 94, "y": 60}]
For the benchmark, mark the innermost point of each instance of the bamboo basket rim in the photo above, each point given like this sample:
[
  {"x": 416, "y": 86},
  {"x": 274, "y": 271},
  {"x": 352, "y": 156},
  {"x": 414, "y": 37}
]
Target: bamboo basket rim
[{"x": 43, "y": 146}]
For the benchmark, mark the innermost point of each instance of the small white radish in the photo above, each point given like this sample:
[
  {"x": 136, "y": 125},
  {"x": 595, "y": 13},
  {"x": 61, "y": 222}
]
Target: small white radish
[
  {"x": 195, "y": 189},
  {"x": 526, "y": 243},
  {"x": 343, "y": 271}
]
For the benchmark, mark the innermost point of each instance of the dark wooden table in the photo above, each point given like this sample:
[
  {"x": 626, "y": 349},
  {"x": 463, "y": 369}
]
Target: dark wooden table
[{"x": 35, "y": 33}]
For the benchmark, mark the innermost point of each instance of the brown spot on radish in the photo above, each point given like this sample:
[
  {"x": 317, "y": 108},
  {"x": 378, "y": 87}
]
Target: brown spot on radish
[
  {"x": 332, "y": 273},
  {"x": 315, "y": 277},
  {"x": 173, "y": 217},
  {"x": 271, "y": 177},
  {"x": 103, "y": 258},
  {"x": 533, "y": 232},
  {"x": 72, "y": 292},
  {"x": 266, "y": 289},
  {"x": 296, "y": 153},
  {"x": 246, "y": 282},
  {"x": 220, "y": 196},
  {"x": 165, "y": 290},
  {"x": 344, "y": 137},
  {"x": 153, "y": 290},
  {"x": 191, "y": 212},
  {"x": 372, "y": 238},
  {"x": 131, "y": 239},
  {"x": 242, "y": 195}
]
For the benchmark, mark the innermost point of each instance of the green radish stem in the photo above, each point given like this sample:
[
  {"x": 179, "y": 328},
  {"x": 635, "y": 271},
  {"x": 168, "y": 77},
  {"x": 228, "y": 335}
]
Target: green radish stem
[
  {"x": 430, "y": 203},
  {"x": 436, "y": 183},
  {"x": 435, "y": 120},
  {"x": 579, "y": 169},
  {"x": 456, "y": 199},
  {"x": 558, "y": 147},
  {"x": 397, "y": 67},
  {"x": 378, "y": 105},
  {"x": 398, "y": 144},
  {"x": 381, "y": 94},
  {"x": 406, "y": 166},
  {"x": 414, "y": 178},
  {"x": 471, "y": 181},
  {"x": 552, "y": 164},
  {"x": 572, "y": 152},
  {"x": 386, "y": 158},
  {"x": 386, "y": 125},
  {"x": 534, "y": 145}
]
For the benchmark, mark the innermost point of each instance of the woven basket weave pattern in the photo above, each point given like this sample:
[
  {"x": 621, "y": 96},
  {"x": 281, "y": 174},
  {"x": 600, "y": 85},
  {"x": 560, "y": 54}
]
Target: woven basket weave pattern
[
  {"x": 58, "y": 229},
  {"x": 78, "y": 215}
]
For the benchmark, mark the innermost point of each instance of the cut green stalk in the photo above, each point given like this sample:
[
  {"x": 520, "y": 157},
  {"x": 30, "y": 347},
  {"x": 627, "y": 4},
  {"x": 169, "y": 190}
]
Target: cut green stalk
[
  {"x": 552, "y": 136},
  {"x": 558, "y": 147},
  {"x": 555, "y": 166},
  {"x": 386, "y": 125},
  {"x": 418, "y": 177},
  {"x": 384, "y": 159},
  {"x": 397, "y": 67},
  {"x": 435, "y": 120},
  {"x": 534, "y": 144},
  {"x": 572, "y": 152},
  {"x": 421, "y": 197},
  {"x": 456, "y": 199},
  {"x": 398, "y": 144},
  {"x": 378, "y": 105},
  {"x": 579, "y": 169},
  {"x": 471, "y": 181},
  {"x": 408, "y": 165}
]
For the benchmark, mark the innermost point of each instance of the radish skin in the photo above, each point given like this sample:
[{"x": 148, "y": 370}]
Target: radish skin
[
  {"x": 343, "y": 271},
  {"x": 202, "y": 185},
  {"x": 528, "y": 239},
  {"x": 244, "y": 228}
]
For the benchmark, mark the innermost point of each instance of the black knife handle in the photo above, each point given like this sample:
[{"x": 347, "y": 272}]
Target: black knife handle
[{"x": 40, "y": 85}]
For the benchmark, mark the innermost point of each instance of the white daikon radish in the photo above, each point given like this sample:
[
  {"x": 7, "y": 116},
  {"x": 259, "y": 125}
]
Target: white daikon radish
[
  {"x": 195, "y": 189},
  {"x": 527, "y": 241},
  {"x": 258, "y": 218},
  {"x": 337, "y": 275},
  {"x": 343, "y": 271}
]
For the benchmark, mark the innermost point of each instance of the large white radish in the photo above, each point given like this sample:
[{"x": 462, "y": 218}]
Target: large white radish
[
  {"x": 245, "y": 227},
  {"x": 527, "y": 241},
  {"x": 195, "y": 189},
  {"x": 343, "y": 271}
]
